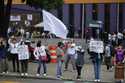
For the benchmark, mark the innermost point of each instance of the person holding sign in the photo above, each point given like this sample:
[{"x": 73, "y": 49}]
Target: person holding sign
[
  {"x": 96, "y": 48},
  {"x": 13, "y": 45},
  {"x": 23, "y": 56}
]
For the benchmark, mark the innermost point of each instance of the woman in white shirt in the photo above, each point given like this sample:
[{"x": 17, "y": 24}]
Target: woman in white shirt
[
  {"x": 13, "y": 45},
  {"x": 40, "y": 55},
  {"x": 23, "y": 57}
]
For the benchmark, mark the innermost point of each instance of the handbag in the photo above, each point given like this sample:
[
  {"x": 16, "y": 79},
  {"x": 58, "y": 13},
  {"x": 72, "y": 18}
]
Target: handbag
[{"x": 43, "y": 58}]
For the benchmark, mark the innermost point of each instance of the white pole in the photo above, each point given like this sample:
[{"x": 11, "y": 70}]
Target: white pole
[
  {"x": 118, "y": 17},
  {"x": 83, "y": 21},
  {"x": 83, "y": 13}
]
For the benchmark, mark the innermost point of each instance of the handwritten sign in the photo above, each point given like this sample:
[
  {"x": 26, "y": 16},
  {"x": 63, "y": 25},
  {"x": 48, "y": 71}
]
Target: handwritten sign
[
  {"x": 23, "y": 52},
  {"x": 96, "y": 46}
]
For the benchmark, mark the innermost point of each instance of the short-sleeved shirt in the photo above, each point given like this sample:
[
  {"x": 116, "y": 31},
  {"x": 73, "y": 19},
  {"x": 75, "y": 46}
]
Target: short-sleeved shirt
[
  {"x": 59, "y": 53},
  {"x": 120, "y": 55}
]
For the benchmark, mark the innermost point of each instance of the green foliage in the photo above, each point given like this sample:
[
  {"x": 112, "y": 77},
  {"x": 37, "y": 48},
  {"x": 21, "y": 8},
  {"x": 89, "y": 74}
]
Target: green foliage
[{"x": 45, "y": 4}]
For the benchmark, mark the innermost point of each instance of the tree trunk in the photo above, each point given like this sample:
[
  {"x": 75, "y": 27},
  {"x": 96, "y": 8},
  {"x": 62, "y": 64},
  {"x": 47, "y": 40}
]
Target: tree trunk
[
  {"x": 7, "y": 17},
  {"x": 1, "y": 17}
]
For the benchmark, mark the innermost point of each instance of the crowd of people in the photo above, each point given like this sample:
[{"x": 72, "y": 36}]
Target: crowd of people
[
  {"x": 16, "y": 49},
  {"x": 29, "y": 32}
]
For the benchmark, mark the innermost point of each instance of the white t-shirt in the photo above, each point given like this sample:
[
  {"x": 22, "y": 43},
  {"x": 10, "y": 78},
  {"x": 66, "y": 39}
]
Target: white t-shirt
[
  {"x": 39, "y": 51},
  {"x": 120, "y": 35},
  {"x": 114, "y": 37},
  {"x": 109, "y": 37},
  {"x": 13, "y": 47},
  {"x": 107, "y": 51},
  {"x": 71, "y": 51}
]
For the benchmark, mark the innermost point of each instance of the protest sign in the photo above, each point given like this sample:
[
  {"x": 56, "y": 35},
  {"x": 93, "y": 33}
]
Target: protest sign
[{"x": 96, "y": 46}]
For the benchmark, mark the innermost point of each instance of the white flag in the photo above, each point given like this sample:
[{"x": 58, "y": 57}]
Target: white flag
[{"x": 54, "y": 25}]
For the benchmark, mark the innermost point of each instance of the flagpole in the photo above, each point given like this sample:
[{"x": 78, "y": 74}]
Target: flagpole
[
  {"x": 82, "y": 21},
  {"x": 118, "y": 17},
  {"x": 83, "y": 7},
  {"x": 83, "y": 13}
]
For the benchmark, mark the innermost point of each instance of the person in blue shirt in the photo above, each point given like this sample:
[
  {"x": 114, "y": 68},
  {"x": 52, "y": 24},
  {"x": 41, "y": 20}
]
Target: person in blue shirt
[{"x": 3, "y": 63}]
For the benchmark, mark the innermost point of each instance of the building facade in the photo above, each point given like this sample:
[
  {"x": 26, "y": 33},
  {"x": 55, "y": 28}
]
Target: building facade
[{"x": 112, "y": 16}]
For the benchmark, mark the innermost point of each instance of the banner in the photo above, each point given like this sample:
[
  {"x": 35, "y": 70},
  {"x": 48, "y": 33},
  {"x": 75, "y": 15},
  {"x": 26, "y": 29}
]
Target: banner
[
  {"x": 96, "y": 46},
  {"x": 54, "y": 25},
  {"x": 15, "y": 18},
  {"x": 29, "y": 17}
]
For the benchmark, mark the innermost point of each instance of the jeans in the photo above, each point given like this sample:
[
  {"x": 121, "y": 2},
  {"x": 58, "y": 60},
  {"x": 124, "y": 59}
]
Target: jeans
[
  {"x": 44, "y": 67},
  {"x": 68, "y": 58},
  {"x": 59, "y": 68},
  {"x": 97, "y": 68},
  {"x": 3, "y": 65}
]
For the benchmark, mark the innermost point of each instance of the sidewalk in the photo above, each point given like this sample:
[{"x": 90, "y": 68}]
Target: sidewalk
[{"x": 87, "y": 73}]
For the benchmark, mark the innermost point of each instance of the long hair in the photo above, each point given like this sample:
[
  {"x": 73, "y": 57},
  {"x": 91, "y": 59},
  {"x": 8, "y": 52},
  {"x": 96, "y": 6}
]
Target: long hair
[{"x": 38, "y": 44}]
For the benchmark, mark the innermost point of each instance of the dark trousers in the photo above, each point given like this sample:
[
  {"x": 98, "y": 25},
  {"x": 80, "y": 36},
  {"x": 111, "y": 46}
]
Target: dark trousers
[
  {"x": 119, "y": 41},
  {"x": 24, "y": 66},
  {"x": 15, "y": 62},
  {"x": 108, "y": 62},
  {"x": 78, "y": 68}
]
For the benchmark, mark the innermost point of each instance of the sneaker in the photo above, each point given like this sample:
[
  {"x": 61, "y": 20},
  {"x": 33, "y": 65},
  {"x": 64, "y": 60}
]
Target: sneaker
[
  {"x": 98, "y": 80},
  {"x": 78, "y": 78},
  {"x": 22, "y": 74},
  {"x": 60, "y": 77},
  {"x": 26, "y": 74},
  {"x": 38, "y": 75},
  {"x": 3, "y": 72},
  {"x": 44, "y": 74},
  {"x": 95, "y": 80}
]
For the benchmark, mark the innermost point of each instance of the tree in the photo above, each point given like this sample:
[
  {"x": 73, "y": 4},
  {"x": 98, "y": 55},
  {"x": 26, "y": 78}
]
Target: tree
[
  {"x": 5, "y": 10},
  {"x": 44, "y": 4},
  {"x": 4, "y": 17}
]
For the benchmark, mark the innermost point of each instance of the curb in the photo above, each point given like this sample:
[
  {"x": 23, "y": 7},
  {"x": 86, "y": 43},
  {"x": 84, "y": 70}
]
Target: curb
[{"x": 46, "y": 78}]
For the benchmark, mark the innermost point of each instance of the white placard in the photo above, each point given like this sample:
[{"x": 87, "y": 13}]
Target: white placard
[
  {"x": 29, "y": 17},
  {"x": 96, "y": 46},
  {"x": 15, "y": 18},
  {"x": 23, "y": 52}
]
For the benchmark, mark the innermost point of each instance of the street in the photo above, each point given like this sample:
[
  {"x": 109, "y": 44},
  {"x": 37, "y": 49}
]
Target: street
[{"x": 87, "y": 75}]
